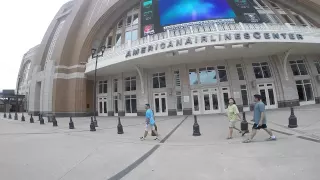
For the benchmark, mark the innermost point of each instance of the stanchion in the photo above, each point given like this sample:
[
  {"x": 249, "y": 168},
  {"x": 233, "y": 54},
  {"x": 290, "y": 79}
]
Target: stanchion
[
  {"x": 196, "y": 127},
  {"x": 244, "y": 124},
  {"x": 92, "y": 126},
  {"x": 119, "y": 127},
  {"x": 31, "y": 119},
  {"x": 10, "y": 117},
  {"x": 293, "y": 121},
  {"x": 71, "y": 124},
  {"x": 54, "y": 122},
  {"x": 41, "y": 119},
  {"x": 23, "y": 118},
  {"x": 95, "y": 122}
]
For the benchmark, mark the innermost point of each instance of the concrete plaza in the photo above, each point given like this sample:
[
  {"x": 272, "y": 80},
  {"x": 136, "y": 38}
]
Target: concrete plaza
[{"x": 38, "y": 152}]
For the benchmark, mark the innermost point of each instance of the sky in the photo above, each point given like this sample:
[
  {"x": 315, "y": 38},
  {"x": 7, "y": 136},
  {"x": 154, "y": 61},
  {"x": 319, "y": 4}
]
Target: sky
[{"x": 23, "y": 25}]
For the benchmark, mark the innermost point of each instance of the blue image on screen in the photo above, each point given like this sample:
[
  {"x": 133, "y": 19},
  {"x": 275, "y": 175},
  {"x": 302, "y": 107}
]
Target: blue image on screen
[{"x": 183, "y": 11}]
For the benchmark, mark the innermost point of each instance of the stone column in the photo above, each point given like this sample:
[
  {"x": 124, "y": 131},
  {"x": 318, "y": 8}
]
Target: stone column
[
  {"x": 185, "y": 90},
  {"x": 172, "y": 111},
  {"x": 110, "y": 96},
  {"x": 142, "y": 97},
  {"x": 121, "y": 99}
]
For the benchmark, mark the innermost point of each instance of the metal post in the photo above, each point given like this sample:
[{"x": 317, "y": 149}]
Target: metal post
[{"x": 95, "y": 90}]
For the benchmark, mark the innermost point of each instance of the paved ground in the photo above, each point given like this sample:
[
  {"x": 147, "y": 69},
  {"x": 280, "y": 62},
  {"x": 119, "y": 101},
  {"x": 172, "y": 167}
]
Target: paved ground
[{"x": 38, "y": 152}]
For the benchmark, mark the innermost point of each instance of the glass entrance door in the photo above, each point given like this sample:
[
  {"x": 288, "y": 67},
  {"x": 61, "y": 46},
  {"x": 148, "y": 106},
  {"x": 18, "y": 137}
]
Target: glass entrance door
[
  {"x": 195, "y": 102},
  {"x": 210, "y": 101},
  {"x": 160, "y": 104},
  {"x": 103, "y": 106},
  {"x": 225, "y": 94},
  {"x": 268, "y": 96}
]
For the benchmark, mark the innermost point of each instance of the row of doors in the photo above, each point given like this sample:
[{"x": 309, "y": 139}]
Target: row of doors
[{"x": 204, "y": 101}]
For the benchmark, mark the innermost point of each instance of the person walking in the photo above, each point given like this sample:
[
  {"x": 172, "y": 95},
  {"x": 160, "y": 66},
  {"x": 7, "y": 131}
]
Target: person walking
[
  {"x": 260, "y": 120},
  {"x": 150, "y": 123},
  {"x": 233, "y": 116}
]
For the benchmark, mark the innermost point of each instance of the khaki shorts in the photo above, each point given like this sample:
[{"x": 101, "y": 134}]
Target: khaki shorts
[
  {"x": 150, "y": 127},
  {"x": 232, "y": 124}
]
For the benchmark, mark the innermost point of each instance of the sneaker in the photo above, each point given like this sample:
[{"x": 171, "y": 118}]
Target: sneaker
[
  {"x": 157, "y": 138},
  {"x": 271, "y": 138},
  {"x": 142, "y": 138}
]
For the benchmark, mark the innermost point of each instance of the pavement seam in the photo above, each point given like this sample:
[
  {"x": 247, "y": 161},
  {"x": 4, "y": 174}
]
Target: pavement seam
[{"x": 136, "y": 163}]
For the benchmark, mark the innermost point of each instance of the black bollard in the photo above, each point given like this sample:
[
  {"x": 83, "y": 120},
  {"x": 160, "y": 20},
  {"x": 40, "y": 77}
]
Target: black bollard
[
  {"x": 39, "y": 116},
  {"x": 244, "y": 124},
  {"x": 92, "y": 126},
  {"x": 155, "y": 128},
  {"x": 31, "y": 119},
  {"x": 95, "y": 122},
  {"x": 71, "y": 124},
  {"x": 23, "y": 118},
  {"x": 293, "y": 122},
  {"x": 196, "y": 127},
  {"x": 50, "y": 119},
  {"x": 15, "y": 116},
  {"x": 119, "y": 127},
  {"x": 4, "y": 115},
  {"x": 54, "y": 122},
  {"x": 41, "y": 119},
  {"x": 10, "y": 117}
]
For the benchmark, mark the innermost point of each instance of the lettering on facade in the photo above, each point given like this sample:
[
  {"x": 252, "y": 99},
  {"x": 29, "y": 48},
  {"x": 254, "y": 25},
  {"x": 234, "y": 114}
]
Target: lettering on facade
[{"x": 213, "y": 38}]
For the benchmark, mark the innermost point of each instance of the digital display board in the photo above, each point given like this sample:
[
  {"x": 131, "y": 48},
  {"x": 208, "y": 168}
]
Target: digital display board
[{"x": 160, "y": 14}]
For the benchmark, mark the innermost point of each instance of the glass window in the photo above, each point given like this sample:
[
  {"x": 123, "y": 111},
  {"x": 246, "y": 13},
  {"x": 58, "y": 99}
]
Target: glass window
[
  {"x": 298, "y": 68},
  {"x": 134, "y": 35},
  {"x": 115, "y": 105},
  {"x": 240, "y": 72},
  {"x": 177, "y": 78},
  {"x": 115, "y": 85},
  {"x": 135, "y": 19},
  {"x": 131, "y": 103},
  {"x": 159, "y": 80},
  {"x": 275, "y": 18},
  {"x": 287, "y": 19},
  {"x": 261, "y": 70},
  {"x": 207, "y": 75},
  {"x": 305, "y": 90},
  {"x": 103, "y": 87},
  {"x": 128, "y": 36},
  {"x": 317, "y": 64},
  {"x": 222, "y": 73},
  {"x": 301, "y": 21},
  {"x": 193, "y": 77},
  {"x": 118, "y": 39},
  {"x": 109, "y": 42},
  {"x": 129, "y": 19},
  {"x": 265, "y": 18},
  {"x": 130, "y": 84},
  {"x": 179, "y": 102},
  {"x": 244, "y": 95},
  {"x": 120, "y": 24}
]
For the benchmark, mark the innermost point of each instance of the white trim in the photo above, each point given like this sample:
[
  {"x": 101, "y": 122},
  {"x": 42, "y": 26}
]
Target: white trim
[
  {"x": 70, "y": 67},
  {"x": 69, "y": 76}
]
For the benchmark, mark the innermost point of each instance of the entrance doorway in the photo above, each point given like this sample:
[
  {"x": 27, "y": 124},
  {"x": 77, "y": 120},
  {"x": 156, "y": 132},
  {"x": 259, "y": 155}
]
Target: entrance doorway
[
  {"x": 211, "y": 100},
  {"x": 103, "y": 106},
  {"x": 160, "y": 104},
  {"x": 268, "y": 96}
]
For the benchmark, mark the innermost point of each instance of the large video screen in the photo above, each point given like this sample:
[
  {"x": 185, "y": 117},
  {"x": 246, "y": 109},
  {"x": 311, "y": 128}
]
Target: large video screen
[
  {"x": 183, "y": 11},
  {"x": 157, "y": 15}
]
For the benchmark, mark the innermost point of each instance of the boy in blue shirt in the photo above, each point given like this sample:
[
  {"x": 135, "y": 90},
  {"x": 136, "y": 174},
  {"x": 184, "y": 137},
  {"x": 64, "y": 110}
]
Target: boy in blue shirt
[
  {"x": 150, "y": 123},
  {"x": 260, "y": 120}
]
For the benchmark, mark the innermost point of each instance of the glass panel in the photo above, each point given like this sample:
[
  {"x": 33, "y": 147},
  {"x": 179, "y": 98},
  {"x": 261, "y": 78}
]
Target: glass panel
[
  {"x": 116, "y": 106},
  {"x": 255, "y": 64},
  {"x": 244, "y": 96},
  {"x": 105, "y": 107},
  {"x": 309, "y": 92},
  {"x": 115, "y": 85},
  {"x": 226, "y": 99},
  {"x": 215, "y": 103},
  {"x": 195, "y": 103},
  {"x": 206, "y": 100},
  {"x": 120, "y": 23},
  {"x": 127, "y": 85},
  {"x": 257, "y": 72},
  {"x": 271, "y": 97},
  {"x": 100, "y": 88},
  {"x": 128, "y": 36},
  {"x": 299, "y": 82},
  {"x": 162, "y": 82},
  {"x": 207, "y": 77},
  {"x": 306, "y": 81},
  {"x": 295, "y": 70},
  {"x": 179, "y": 104},
  {"x": 133, "y": 96},
  {"x": 240, "y": 74},
  {"x": 134, "y": 105},
  {"x": 155, "y": 82},
  {"x": 109, "y": 42},
  {"x": 105, "y": 88},
  {"x": 128, "y": 109},
  {"x": 263, "y": 96},
  {"x": 193, "y": 77},
  {"x": 118, "y": 39},
  {"x": 318, "y": 67},
  {"x": 134, "y": 35},
  {"x": 163, "y": 105},
  {"x": 129, "y": 19},
  {"x": 223, "y": 75},
  {"x": 266, "y": 71},
  {"x": 100, "y": 107},
  {"x": 303, "y": 69},
  {"x": 301, "y": 95},
  {"x": 135, "y": 19},
  {"x": 243, "y": 87},
  {"x": 133, "y": 85},
  {"x": 238, "y": 65},
  {"x": 157, "y": 105}
]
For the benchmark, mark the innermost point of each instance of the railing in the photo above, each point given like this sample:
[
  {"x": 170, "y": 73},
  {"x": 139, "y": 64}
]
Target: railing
[{"x": 206, "y": 28}]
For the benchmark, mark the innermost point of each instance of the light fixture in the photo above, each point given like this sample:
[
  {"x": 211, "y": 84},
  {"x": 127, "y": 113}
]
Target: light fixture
[
  {"x": 237, "y": 46},
  {"x": 183, "y": 52},
  {"x": 200, "y": 49},
  {"x": 93, "y": 52},
  {"x": 103, "y": 48},
  {"x": 219, "y": 47}
]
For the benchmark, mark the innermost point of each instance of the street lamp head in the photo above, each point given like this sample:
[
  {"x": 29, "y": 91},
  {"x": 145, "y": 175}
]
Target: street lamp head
[
  {"x": 93, "y": 52},
  {"x": 103, "y": 48}
]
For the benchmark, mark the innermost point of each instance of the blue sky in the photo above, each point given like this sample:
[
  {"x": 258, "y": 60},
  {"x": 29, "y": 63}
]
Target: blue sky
[{"x": 23, "y": 24}]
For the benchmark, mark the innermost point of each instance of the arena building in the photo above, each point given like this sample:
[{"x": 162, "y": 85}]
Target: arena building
[{"x": 182, "y": 57}]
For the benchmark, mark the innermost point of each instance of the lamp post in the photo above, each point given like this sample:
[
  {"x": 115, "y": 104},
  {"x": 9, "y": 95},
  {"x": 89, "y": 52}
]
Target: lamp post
[
  {"x": 17, "y": 99},
  {"x": 95, "y": 54}
]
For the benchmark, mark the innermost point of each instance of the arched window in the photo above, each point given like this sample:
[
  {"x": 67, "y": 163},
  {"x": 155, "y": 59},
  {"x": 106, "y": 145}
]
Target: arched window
[{"x": 25, "y": 73}]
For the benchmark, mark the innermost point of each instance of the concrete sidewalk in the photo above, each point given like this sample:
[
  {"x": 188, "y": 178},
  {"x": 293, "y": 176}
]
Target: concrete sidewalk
[{"x": 38, "y": 152}]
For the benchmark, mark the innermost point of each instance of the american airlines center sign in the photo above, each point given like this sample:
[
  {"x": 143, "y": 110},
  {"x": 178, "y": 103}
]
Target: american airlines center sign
[{"x": 205, "y": 39}]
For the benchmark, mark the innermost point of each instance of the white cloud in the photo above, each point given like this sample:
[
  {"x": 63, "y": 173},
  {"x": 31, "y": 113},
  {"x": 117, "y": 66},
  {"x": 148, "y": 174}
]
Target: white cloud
[{"x": 23, "y": 24}]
